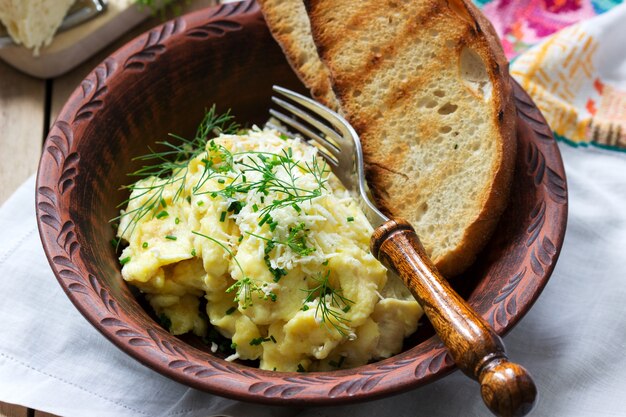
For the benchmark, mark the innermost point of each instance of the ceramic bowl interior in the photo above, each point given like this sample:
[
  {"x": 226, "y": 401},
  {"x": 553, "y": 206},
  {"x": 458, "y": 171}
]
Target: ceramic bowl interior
[{"x": 162, "y": 82}]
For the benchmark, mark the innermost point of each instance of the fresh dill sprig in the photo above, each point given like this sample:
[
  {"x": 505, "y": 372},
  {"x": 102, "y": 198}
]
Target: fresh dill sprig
[
  {"x": 289, "y": 192},
  {"x": 331, "y": 304},
  {"x": 170, "y": 166},
  {"x": 245, "y": 287}
]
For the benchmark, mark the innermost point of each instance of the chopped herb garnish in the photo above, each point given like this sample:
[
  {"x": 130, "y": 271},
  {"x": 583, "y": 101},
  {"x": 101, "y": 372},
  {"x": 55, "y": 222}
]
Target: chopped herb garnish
[
  {"x": 170, "y": 167},
  {"x": 144, "y": 245},
  {"x": 235, "y": 207},
  {"x": 265, "y": 219},
  {"x": 255, "y": 208},
  {"x": 330, "y": 303},
  {"x": 115, "y": 243},
  {"x": 233, "y": 346},
  {"x": 176, "y": 220},
  {"x": 221, "y": 180},
  {"x": 193, "y": 252},
  {"x": 163, "y": 203},
  {"x": 350, "y": 219},
  {"x": 200, "y": 203},
  {"x": 246, "y": 287},
  {"x": 231, "y": 310},
  {"x": 162, "y": 214},
  {"x": 259, "y": 340},
  {"x": 222, "y": 216},
  {"x": 170, "y": 237},
  {"x": 125, "y": 260}
]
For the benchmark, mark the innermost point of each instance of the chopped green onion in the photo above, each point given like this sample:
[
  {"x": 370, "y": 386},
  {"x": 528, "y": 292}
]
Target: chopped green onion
[
  {"x": 350, "y": 219},
  {"x": 176, "y": 220},
  {"x": 257, "y": 341},
  {"x": 255, "y": 208},
  {"x": 221, "y": 180},
  {"x": 193, "y": 252},
  {"x": 144, "y": 245},
  {"x": 265, "y": 218},
  {"x": 124, "y": 261},
  {"x": 222, "y": 217},
  {"x": 162, "y": 214},
  {"x": 170, "y": 237}
]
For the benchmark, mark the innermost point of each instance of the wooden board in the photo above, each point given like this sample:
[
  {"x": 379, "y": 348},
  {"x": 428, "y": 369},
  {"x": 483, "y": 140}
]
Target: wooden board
[
  {"x": 22, "y": 102},
  {"x": 11, "y": 410}
]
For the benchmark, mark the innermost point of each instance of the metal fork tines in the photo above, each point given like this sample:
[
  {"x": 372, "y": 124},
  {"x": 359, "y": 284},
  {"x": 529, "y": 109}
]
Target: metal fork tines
[{"x": 333, "y": 136}]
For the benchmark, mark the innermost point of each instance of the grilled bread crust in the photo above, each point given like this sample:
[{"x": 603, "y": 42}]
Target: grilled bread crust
[
  {"x": 426, "y": 85},
  {"x": 289, "y": 24}
]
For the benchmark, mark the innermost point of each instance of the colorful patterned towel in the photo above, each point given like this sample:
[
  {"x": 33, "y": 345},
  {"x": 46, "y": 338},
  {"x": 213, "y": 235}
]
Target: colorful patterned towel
[{"x": 571, "y": 59}]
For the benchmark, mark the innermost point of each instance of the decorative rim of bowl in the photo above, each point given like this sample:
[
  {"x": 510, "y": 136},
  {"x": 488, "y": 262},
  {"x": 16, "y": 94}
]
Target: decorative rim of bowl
[{"x": 156, "y": 348}]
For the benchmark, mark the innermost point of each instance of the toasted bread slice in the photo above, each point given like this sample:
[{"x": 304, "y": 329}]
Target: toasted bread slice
[
  {"x": 425, "y": 83},
  {"x": 289, "y": 24}
]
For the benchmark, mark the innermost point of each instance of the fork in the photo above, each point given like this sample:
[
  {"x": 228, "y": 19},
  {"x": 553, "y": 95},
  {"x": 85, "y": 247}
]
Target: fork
[{"x": 506, "y": 387}]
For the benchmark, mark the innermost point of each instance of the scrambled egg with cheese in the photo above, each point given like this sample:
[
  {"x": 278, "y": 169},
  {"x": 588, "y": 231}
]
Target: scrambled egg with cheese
[{"x": 256, "y": 238}]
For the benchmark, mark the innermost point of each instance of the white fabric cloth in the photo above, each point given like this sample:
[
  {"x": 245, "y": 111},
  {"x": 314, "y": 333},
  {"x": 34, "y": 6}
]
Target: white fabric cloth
[{"x": 573, "y": 340}]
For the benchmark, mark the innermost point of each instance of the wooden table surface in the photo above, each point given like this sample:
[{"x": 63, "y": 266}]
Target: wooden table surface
[{"x": 28, "y": 107}]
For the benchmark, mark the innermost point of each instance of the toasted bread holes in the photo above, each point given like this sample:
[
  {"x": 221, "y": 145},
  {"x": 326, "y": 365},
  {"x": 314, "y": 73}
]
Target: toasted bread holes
[
  {"x": 447, "y": 108},
  {"x": 474, "y": 74}
]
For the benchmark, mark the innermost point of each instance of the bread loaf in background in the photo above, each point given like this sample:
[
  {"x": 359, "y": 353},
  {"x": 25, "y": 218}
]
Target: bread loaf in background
[
  {"x": 33, "y": 23},
  {"x": 426, "y": 85}
]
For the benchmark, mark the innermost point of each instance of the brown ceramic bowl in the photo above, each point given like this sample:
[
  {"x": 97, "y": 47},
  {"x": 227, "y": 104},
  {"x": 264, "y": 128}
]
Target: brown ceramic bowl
[{"x": 161, "y": 82}]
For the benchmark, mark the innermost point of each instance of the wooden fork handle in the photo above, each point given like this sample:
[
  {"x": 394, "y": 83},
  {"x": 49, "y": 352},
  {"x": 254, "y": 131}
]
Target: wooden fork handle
[{"x": 506, "y": 388}]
